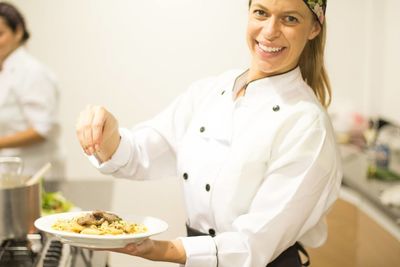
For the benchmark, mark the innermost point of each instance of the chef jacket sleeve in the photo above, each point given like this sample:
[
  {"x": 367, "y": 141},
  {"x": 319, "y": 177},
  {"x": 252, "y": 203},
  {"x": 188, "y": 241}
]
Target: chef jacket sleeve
[
  {"x": 301, "y": 182},
  {"x": 147, "y": 151},
  {"x": 39, "y": 99}
]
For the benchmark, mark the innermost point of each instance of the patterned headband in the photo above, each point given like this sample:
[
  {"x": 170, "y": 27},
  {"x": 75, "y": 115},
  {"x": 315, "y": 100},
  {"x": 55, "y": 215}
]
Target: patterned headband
[{"x": 318, "y": 7}]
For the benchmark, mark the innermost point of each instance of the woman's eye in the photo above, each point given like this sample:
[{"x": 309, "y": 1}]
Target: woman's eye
[
  {"x": 291, "y": 19},
  {"x": 260, "y": 12}
]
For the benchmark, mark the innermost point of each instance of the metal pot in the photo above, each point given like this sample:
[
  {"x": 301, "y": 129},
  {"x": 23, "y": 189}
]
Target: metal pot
[
  {"x": 19, "y": 208},
  {"x": 19, "y": 203}
]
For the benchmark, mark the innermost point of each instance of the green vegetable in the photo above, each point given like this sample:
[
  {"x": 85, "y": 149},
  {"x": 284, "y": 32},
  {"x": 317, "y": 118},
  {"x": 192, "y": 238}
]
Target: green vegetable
[
  {"x": 383, "y": 174},
  {"x": 54, "y": 202}
]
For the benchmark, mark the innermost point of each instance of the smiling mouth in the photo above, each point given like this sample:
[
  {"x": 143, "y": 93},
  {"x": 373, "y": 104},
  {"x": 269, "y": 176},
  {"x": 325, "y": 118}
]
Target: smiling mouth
[{"x": 270, "y": 49}]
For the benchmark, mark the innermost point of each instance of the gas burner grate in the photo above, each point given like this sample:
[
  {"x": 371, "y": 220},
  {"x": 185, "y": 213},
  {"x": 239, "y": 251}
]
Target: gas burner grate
[{"x": 15, "y": 253}]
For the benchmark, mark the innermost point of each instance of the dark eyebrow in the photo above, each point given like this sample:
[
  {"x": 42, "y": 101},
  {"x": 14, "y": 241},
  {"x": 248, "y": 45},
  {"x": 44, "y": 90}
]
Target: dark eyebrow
[
  {"x": 259, "y": 6},
  {"x": 289, "y": 12}
]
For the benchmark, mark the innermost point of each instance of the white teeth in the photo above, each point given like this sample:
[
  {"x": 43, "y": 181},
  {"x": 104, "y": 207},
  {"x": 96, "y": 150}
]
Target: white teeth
[{"x": 270, "y": 49}]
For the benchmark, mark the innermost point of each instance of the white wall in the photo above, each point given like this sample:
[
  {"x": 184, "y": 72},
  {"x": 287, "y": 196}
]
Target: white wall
[
  {"x": 391, "y": 61},
  {"x": 364, "y": 56},
  {"x": 346, "y": 53}
]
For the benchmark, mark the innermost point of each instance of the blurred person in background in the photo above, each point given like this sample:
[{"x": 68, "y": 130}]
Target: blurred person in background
[{"x": 29, "y": 100}]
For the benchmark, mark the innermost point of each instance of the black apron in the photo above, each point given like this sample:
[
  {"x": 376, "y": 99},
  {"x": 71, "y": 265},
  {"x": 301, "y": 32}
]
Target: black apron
[{"x": 289, "y": 258}]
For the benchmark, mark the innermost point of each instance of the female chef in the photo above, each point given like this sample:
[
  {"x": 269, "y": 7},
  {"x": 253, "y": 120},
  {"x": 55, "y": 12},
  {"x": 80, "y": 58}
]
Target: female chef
[
  {"x": 28, "y": 98},
  {"x": 255, "y": 148}
]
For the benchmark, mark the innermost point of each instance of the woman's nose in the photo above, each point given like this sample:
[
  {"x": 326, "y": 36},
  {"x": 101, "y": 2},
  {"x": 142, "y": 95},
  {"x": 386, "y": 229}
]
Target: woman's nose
[{"x": 271, "y": 29}]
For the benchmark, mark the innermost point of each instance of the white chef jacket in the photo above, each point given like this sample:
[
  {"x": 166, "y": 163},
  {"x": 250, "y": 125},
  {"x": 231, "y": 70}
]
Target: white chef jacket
[
  {"x": 29, "y": 97},
  {"x": 261, "y": 171}
]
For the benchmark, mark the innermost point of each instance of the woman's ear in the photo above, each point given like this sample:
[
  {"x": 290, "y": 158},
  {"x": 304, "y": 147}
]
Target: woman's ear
[
  {"x": 316, "y": 29},
  {"x": 19, "y": 34}
]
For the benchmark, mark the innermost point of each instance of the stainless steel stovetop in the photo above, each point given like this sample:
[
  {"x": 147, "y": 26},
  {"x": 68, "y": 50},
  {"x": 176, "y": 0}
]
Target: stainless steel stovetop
[{"x": 39, "y": 250}]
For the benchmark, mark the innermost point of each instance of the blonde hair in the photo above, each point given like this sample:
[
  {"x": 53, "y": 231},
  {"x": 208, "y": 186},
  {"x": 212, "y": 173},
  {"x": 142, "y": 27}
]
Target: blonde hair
[
  {"x": 312, "y": 66},
  {"x": 313, "y": 69}
]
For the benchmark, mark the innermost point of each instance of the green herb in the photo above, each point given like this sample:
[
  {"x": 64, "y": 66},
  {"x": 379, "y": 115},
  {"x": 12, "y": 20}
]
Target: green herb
[
  {"x": 383, "y": 174},
  {"x": 54, "y": 202}
]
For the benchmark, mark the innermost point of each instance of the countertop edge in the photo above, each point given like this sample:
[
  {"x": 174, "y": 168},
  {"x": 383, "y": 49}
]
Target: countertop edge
[{"x": 352, "y": 196}]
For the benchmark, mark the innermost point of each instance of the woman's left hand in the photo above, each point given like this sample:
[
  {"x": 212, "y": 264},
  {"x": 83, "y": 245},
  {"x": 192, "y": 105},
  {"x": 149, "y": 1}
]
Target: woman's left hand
[{"x": 156, "y": 250}]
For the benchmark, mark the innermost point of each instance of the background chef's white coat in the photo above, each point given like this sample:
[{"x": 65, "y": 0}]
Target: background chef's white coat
[
  {"x": 29, "y": 97},
  {"x": 269, "y": 160}
]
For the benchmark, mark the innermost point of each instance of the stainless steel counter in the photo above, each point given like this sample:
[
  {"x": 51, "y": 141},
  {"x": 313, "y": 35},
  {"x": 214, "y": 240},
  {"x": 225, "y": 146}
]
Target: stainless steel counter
[{"x": 355, "y": 177}]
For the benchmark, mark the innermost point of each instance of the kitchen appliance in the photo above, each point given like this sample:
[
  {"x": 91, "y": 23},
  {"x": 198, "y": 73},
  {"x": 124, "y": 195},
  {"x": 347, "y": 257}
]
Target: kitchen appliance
[
  {"x": 20, "y": 202},
  {"x": 39, "y": 250},
  {"x": 21, "y": 244},
  {"x": 19, "y": 208}
]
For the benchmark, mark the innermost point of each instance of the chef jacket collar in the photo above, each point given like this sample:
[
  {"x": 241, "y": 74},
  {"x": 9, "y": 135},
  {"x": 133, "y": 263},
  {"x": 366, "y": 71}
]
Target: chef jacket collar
[
  {"x": 278, "y": 84},
  {"x": 13, "y": 59}
]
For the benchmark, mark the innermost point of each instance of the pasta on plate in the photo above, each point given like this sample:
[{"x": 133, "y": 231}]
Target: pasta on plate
[{"x": 98, "y": 223}]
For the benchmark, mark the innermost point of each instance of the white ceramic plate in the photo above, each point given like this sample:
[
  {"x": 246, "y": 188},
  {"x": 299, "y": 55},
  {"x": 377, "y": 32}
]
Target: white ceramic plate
[{"x": 154, "y": 226}]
